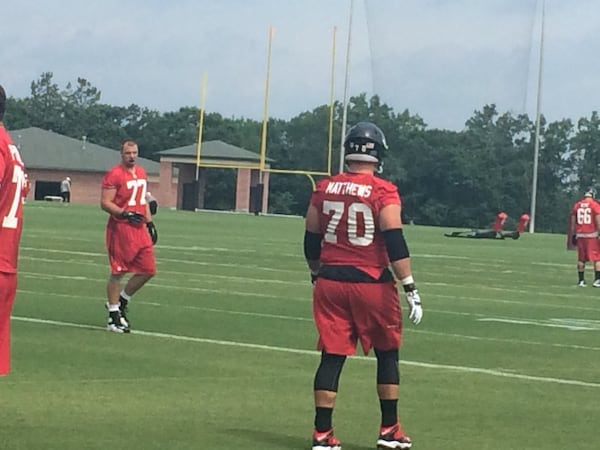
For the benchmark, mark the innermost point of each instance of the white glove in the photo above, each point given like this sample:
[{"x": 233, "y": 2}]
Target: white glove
[{"x": 414, "y": 303}]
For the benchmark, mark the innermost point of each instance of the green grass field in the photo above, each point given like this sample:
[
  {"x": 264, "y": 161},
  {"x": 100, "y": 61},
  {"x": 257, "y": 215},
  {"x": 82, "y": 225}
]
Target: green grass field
[{"x": 222, "y": 350}]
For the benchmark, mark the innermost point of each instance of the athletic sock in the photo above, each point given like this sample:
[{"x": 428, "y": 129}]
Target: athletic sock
[
  {"x": 323, "y": 419},
  {"x": 112, "y": 308},
  {"x": 389, "y": 412}
]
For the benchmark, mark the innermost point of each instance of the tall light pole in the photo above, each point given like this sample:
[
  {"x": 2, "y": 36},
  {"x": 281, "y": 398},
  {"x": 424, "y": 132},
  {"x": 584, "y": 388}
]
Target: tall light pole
[
  {"x": 536, "y": 148},
  {"x": 346, "y": 78}
]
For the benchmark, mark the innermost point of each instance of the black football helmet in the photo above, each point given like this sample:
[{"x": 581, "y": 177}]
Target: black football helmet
[
  {"x": 365, "y": 142},
  {"x": 590, "y": 192}
]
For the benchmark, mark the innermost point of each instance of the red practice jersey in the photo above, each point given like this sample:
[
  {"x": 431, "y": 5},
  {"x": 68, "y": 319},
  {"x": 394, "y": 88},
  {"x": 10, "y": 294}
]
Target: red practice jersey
[
  {"x": 349, "y": 204},
  {"x": 131, "y": 188},
  {"x": 585, "y": 211},
  {"x": 12, "y": 182}
]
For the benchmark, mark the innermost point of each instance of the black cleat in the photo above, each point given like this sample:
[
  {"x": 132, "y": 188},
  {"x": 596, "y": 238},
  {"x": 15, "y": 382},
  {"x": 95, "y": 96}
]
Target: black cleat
[
  {"x": 116, "y": 323},
  {"x": 124, "y": 309}
]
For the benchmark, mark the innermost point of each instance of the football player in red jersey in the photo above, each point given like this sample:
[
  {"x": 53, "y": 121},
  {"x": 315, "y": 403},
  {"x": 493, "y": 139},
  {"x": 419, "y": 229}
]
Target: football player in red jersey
[
  {"x": 353, "y": 236},
  {"x": 12, "y": 181},
  {"x": 130, "y": 233},
  {"x": 26, "y": 188},
  {"x": 584, "y": 227}
]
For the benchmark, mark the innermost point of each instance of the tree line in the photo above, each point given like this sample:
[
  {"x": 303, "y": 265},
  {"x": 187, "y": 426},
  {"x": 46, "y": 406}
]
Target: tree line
[{"x": 446, "y": 178}]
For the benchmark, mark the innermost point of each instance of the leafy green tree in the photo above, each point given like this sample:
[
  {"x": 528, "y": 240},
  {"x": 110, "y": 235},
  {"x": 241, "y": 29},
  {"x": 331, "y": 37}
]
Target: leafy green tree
[
  {"x": 220, "y": 189},
  {"x": 46, "y": 104},
  {"x": 450, "y": 178},
  {"x": 83, "y": 96},
  {"x": 17, "y": 113},
  {"x": 586, "y": 145},
  {"x": 555, "y": 177}
]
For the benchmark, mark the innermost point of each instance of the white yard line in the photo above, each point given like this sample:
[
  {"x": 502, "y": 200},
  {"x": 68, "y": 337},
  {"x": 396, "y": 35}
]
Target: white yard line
[
  {"x": 306, "y": 319},
  {"x": 573, "y": 325},
  {"x": 491, "y": 372},
  {"x": 155, "y": 283}
]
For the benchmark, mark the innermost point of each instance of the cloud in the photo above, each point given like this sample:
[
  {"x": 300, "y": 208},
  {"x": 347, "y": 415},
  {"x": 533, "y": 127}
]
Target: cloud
[{"x": 439, "y": 59}]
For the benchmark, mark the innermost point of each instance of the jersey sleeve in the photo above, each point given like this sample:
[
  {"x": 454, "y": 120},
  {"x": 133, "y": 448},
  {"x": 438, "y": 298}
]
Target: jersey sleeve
[
  {"x": 316, "y": 197},
  {"x": 2, "y": 164},
  {"x": 574, "y": 208},
  {"x": 387, "y": 194},
  {"x": 111, "y": 180},
  {"x": 4, "y": 159}
]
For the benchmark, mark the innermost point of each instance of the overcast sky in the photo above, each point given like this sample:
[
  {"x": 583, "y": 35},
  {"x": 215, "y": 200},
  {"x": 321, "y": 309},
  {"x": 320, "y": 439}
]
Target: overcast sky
[{"x": 440, "y": 59}]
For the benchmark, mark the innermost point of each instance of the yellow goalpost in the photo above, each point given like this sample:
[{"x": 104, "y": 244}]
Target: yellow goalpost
[
  {"x": 263, "y": 146},
  {"x": 261, "y": 166},
  {"x": 200, "y": 163}
]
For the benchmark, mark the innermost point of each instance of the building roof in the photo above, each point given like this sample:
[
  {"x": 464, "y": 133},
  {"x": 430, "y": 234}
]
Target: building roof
[
  {"x": 215, "y": 151},
  {"x": 42, "y": 149}
]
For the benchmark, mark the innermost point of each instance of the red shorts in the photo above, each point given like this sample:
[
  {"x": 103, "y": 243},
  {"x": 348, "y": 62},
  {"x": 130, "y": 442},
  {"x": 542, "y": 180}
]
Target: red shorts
[
  {"x": 129, "y": 249},
  {"x": 8, "y": 291},
  {"x": 588, "y": 249},
  {"x": 347, "y": 312}
]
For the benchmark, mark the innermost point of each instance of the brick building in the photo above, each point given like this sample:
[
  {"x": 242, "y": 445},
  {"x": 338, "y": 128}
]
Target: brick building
[
  {"x": 252, "y": 185},
  {"x": 50, "y": 157}
]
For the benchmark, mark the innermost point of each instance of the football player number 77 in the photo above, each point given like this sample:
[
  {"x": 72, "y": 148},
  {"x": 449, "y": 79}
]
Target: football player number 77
[
  {"x": 136, "y": 199},
  {"x": 11, "y": 220}
]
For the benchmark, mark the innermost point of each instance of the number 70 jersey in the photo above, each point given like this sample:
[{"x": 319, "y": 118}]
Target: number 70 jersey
[
  {"x": 12, "y": 182},
  {"x": 349, "y": 206}
]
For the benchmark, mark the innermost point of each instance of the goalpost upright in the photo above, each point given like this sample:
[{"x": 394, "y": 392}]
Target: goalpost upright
[
  {"x": 200, "y": 123},
  {"x": 263, "y": 146},
  {"x": 262, "y": 166},
  {"x": 199, "y": 163}
]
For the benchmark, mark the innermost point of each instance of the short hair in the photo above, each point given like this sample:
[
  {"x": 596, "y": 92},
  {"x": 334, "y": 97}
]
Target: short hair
[
  {"x": 2, "y": 103},
  {"x": 127, "y": 143}
]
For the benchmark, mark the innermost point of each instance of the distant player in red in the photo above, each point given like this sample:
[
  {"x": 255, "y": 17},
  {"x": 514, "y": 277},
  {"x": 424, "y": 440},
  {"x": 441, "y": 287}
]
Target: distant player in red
[
  {"x": 353, "y": 236},
  {"x": 12, "y": 180},
  {"x": 26, "y": 187},
  {"x": 500, "y": 220},
  {"x": 130, "y": 234},
  {"x": 584, "y": 227}
]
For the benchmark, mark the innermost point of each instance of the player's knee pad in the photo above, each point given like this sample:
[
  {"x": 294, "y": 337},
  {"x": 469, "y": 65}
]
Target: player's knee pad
[
  {"x": 116, "y": 278},
  {"x": 328, "y": 374},
  {"x": 388, "y": 371}
]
